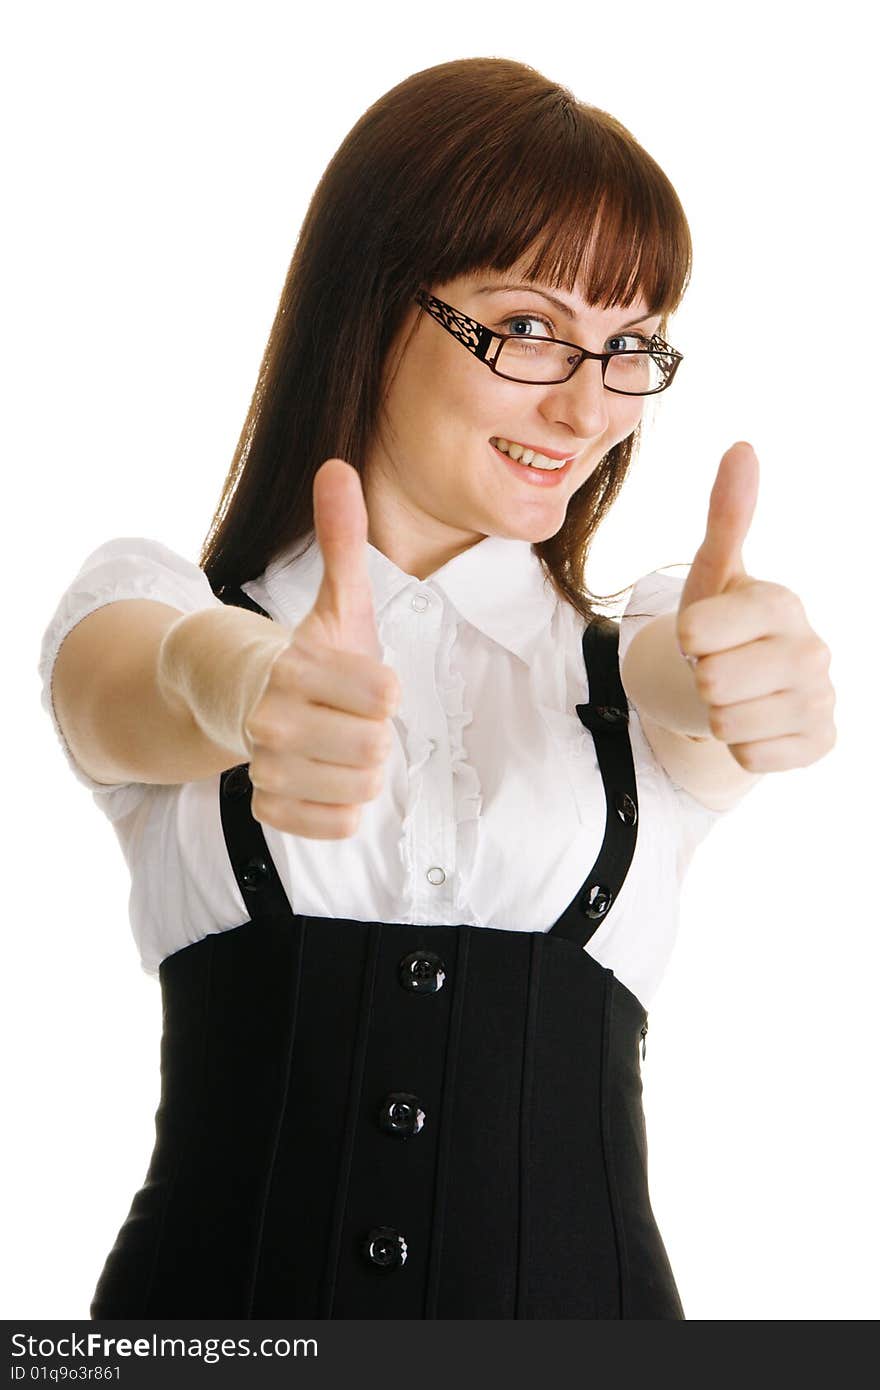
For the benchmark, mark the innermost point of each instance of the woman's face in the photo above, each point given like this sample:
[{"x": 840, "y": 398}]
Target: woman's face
[{"x": 434, "y": 484}]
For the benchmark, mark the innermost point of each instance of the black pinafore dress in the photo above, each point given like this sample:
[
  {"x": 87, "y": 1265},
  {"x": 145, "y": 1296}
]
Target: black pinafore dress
[{"x": 387, "y": 1120}]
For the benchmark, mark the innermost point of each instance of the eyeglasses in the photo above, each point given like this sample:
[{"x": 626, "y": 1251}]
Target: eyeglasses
[{"x": 629, "y": 372}]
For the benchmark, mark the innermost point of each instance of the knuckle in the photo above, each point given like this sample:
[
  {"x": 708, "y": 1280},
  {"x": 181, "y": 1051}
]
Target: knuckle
[
  {"x": 382, "y": 706},
  {"x": 719, "y": 722},
  {"x": 686, "y": 635},
  {"x": 820, "y": 700},
  {"x": 706, "y": 678},
  {"x": 264, "y": 727},
  {"x": 748, "y": 756},
  {"x": 272, "y": 810},
  {"x": 266, "y": 810},
  {"x": 268, "y": 777},
  {"x": 785, "y": 602},
  {"x": 820, "y": 655},
  {"x": 296, "y": 817}
]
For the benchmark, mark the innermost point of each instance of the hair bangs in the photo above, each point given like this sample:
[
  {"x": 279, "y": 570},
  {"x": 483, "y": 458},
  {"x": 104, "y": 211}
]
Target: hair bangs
[
  {"x": 611, "y": 255},
  {"x": 575, "y": 204}
]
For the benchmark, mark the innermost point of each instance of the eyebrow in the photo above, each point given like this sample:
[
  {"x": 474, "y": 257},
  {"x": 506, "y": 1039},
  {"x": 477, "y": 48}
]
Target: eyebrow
[{"x": 559, "y": 303}]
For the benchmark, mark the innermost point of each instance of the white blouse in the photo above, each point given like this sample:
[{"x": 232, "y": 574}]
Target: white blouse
[{"x": 492, "y": 779}]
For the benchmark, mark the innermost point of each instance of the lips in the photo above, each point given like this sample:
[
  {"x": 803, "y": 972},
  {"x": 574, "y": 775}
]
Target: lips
[
  {"x": 536, "y": 448},
  {"x": 538, "y": 477}
]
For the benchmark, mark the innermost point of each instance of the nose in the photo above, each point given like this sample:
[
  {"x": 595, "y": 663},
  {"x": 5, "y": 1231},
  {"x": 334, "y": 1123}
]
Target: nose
[{"x": 581, "y": 402}]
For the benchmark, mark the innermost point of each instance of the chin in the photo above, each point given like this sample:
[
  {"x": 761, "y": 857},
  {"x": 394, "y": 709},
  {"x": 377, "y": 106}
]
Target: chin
[{"x": 525, "y": 532}]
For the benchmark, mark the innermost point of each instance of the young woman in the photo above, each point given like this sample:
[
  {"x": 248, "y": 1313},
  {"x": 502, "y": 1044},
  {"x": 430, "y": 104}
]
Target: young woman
[{"x": 405, "y": 847}]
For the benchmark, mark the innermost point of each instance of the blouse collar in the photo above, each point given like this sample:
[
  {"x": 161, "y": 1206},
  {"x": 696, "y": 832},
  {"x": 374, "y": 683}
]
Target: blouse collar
[{"x": 497, "y": 585}]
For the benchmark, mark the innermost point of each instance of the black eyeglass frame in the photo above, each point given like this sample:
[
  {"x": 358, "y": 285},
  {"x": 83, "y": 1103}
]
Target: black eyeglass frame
[{"x": 478, "y": 338}]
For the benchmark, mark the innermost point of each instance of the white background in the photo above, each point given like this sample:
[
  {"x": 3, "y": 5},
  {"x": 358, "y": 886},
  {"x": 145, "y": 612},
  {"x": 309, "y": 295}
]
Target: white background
[{"x": 159, "y": 159}]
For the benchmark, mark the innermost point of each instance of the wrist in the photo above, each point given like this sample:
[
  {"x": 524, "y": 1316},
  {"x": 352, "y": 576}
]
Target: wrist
[{"x": 217, "y": 662}]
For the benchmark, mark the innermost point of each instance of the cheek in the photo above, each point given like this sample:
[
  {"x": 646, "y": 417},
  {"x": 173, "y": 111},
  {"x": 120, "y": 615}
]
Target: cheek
[
  {"x": 624, "y": 415},
  {"x": 456, "y": 396}
]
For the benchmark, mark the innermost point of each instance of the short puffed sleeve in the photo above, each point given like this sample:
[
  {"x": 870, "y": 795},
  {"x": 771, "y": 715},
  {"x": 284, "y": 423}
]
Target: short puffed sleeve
[
  {"x": 124, "y": 568},
  {"x": 653, "y": 594}
]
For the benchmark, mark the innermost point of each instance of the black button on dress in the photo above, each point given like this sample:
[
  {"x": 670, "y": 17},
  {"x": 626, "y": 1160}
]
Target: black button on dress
[{"x": 387, "y": 1120}]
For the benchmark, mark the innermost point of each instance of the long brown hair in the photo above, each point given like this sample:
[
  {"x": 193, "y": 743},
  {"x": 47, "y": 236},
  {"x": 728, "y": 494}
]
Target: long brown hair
[{"x": 466, "y": 166}]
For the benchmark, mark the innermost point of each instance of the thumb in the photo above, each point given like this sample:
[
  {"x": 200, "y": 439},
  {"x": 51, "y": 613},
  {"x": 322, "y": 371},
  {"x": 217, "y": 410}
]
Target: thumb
[
  {"x": 345, "y": 599},
  {"x": 718, "y": 563}
]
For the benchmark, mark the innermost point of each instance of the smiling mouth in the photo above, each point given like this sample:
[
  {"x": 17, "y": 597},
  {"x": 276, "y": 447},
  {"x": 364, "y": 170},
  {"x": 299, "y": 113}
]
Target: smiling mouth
[{"x": 530, "y": 457}]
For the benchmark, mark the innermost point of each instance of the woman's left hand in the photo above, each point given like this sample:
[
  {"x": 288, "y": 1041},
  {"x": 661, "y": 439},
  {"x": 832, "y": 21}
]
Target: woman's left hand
[{"x": 758, "y": 665}]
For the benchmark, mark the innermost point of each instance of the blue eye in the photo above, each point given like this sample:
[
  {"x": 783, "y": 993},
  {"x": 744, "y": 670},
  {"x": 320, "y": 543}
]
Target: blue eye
[
  {"x": 544, "y": 331},
  {"x": 627, "y": 342}
]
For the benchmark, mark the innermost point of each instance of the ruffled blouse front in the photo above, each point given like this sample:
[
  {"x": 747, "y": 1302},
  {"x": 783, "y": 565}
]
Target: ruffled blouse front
[{"x": 493, "y": 807}]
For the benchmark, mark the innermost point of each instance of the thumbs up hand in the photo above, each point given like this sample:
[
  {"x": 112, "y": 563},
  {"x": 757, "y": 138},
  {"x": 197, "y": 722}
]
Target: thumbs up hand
[
  {"x": 758, "y": 665},
  {"x": 342, "y": 616},
  {"x": 319, "y": 734}
]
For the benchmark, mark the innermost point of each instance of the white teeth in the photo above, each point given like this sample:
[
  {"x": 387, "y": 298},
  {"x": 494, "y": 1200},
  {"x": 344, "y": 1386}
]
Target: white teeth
[{"x": 528, "y": 456}]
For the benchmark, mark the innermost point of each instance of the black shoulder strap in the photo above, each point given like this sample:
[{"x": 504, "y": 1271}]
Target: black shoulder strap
[
  {"x": 607, "y": 718},
  {"x": 255, "y": 873}
]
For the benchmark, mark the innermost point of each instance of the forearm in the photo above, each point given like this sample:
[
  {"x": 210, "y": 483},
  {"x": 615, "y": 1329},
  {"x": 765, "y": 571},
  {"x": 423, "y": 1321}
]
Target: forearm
[{"x": 217, "y": 661}]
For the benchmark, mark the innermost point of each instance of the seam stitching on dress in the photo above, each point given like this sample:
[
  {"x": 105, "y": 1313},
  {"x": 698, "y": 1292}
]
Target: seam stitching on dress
[
  {"x": 525, "y": 1125},
  {"x": 282, "y": 1111},
  {"x": 173, "y": 1181},
  {"x": 608, "y": 1149},
  {"x": 355, "y": 1088},
  {"x": 445, "y": 1123}
]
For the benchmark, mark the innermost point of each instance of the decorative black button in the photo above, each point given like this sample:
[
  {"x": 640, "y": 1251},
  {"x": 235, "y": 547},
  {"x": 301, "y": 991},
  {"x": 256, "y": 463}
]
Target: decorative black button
[
  {"x": 596, "y": 901},
  {"x": 255, "y": 875},
  {"x": 610, "y": 713},
  {"x": 422, "y": 972},
  {"x": 401, "y": 1115},
  {"x": 603, "y": 719},
  {"x": 385, "y": 1248},
  {"x": 626, "y": 808},
  {"x": 237, "y": 782}
]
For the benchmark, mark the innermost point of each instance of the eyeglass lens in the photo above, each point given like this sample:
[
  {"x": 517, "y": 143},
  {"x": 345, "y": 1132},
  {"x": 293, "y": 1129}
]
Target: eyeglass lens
[{"x": 529, "y": 360}]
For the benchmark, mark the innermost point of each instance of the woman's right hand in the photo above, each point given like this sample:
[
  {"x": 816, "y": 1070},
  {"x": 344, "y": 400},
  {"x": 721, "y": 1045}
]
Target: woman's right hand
[{"x": 319, "y": 734}]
